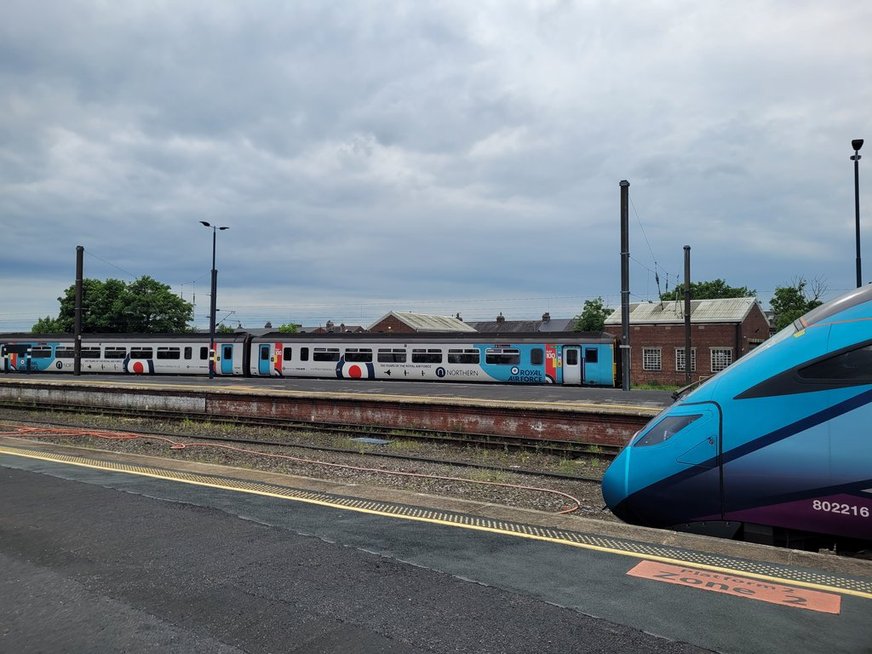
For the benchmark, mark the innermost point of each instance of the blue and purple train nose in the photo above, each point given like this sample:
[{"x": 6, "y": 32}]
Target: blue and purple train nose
[{"x": 615, "y": 485}]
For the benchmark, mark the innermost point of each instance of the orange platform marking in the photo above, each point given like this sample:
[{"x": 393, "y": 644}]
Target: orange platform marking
[{"x": 746, "y": 587}]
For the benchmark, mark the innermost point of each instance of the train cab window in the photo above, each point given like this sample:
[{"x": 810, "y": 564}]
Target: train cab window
[
  {"x": 65, "y": 353},
  {"x": 141, "y": 353},
  {"x": 167, "y": 353},
  {"x": 591, "y": 355},
  {"x": 502, "y": 356},
  {"x": 571, "y": 357},
  {"x": 358, "y": 355},
  {"x": 115, "y": 353},
  {"x": 851, "y": 367},
  {"x": 304, "y": 354},
  {"x": 537, "y": 356},
  {"x": 325, "y": 354},
  {"x": 430, "y": 355},
  {"x": 666, "y": 429},
  {"x": 468, "y": 356},
  {"x": 189, "y": 352},
  {"x": 288, "y": 353},
  {"x": 392, "y": 355},
  {"x": 204, "y": 353},
  {"x": 40, "y": 353}
]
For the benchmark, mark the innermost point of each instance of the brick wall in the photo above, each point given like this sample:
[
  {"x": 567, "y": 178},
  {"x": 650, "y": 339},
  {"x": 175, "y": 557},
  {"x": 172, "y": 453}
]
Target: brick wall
[{"x": 391, "y": 325}]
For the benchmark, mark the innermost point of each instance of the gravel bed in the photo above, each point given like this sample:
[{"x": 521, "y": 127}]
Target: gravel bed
[{"x": 432, "y": 478}]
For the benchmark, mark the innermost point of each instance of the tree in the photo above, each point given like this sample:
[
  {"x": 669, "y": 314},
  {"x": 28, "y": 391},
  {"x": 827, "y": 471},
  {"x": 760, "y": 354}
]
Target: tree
[
  {"x": 47, "y": 325},
  {"x": 113, "y": 306},
  {"x": 711, "y": 290},
  {"x": 790, "y": 302},
  {"x": 288, "y": 328},
  {"x": 592, "y": 317}
]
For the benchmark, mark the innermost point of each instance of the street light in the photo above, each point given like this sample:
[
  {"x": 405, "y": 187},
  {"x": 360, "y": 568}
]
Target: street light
[
  {"x": 214, "y": 229},
  {"x": 857, "y": 144}
]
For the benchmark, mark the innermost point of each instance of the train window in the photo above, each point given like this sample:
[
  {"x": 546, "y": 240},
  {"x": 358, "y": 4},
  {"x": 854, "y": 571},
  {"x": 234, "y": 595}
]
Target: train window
[
  {"x": 65, "y": 353},
  {"x": 430, "y": 355},
  {"x": 391, "y": 355},
  {"x": 90, "y": 352},
  {"x": 571, "y": 357},
  {"x": 591, "y": 355},
  {"x": 502, "y": 356},
  {"x": 40, "y": 353},
  {"x": 358, "y": 355},
  {"x": 852, "y": 366},
  {"x": 204, "y": 353},
  {"x": 264, "y": 354},
  {"x": 115, "y": 353},
  {"x": 537, "y": 356},
  {"x": 325, "y": 354},
  {"x": 189, "y": 352},
  {"x": 288, "y": 353},
  {"x": 141, "y": 352},
  {"x": 304, "y": 354},
  {"x": 469, "y": 356},
  {"x": 666, "y": 429},
  {"x": 167, "y": 353}
]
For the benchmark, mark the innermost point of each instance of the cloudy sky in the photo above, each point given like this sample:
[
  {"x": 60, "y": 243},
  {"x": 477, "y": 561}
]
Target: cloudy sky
[{"x": 439, "y": 157}]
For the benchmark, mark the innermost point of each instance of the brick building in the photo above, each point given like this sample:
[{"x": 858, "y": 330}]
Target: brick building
[
  {"x": 721, "y": 332},
  {"x": 410, "y": 323}
]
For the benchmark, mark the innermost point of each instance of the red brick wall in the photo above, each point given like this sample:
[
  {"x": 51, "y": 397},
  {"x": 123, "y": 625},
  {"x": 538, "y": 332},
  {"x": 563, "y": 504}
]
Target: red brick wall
[{"x": 391, "y": 325}]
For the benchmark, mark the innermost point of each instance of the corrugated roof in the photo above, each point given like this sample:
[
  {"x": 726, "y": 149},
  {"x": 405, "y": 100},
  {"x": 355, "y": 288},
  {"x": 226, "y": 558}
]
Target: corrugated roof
[
  {"x": 512, "y": 326},
  {"x": 721, "y": 310},
  {"x": 422, "y": 322}
]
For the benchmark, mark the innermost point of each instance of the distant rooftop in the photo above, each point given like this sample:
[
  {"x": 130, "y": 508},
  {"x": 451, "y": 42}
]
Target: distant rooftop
[
  {"x": 701, "y": 311},
  {"x": 423, "y": 322},
  {"x": 503, "y": 326}
]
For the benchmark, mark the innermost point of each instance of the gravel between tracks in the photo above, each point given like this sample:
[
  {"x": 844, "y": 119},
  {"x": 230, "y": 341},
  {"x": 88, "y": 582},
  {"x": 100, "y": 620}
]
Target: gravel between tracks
[{"x": 433, "y": 475}]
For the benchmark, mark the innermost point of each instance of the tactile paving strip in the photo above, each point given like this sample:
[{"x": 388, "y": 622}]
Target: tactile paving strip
[{"x": 757, "y": 569}]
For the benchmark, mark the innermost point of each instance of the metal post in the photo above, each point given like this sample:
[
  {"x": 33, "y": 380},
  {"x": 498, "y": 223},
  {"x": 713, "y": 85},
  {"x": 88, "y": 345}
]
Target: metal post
[
  {"x": 857, "y": 144},
  {"x": 625, "y": 285},
  {"x": 77, "y": 324},
  {"x": 687, "y": 349},
  {"x": 212, "y": 309}
]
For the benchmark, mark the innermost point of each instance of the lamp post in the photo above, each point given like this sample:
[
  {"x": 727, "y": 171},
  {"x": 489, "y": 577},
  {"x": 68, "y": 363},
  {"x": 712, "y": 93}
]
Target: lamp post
[
  {"x": 857, "y": 144},
  {"x": 214, "y": 229}
]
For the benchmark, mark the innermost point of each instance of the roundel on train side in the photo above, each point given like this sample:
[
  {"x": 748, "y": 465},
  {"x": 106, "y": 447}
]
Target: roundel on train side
[
  {"x": 139, "y": 366},
  {"x": 345, "y": 370}
]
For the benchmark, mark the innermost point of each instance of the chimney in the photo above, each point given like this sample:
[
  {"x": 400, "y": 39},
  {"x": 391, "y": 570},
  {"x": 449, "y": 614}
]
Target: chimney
[
  {"x": 457, "y": 315},
  {"x": 500, "y": 318},
  {"x": 546, "y": 317},
  {"x": 330, "y": 325}
]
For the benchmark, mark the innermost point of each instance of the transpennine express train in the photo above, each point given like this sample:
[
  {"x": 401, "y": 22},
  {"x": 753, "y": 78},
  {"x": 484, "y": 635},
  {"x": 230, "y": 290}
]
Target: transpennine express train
[
  {"x": 540, "y": 358},
  {"x": 776, "y": 448}
]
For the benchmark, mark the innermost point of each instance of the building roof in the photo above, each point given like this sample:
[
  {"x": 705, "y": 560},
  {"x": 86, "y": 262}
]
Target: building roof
[
  {"x": 515, "y": 326},
  {"x": 701, "y": 311},
  {"x": 422, "y": 322}
]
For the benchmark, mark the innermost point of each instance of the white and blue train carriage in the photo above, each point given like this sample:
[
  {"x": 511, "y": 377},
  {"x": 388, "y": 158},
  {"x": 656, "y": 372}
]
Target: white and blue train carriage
[
  {"x": 775, "y": 448},
  {"x": 136, "y": 354},
  {"x": 573, "y": 359}
]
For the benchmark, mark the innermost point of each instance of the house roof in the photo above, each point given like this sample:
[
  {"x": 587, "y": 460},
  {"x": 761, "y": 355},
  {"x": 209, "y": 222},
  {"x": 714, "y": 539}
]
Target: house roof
[
  {"x": 422, "y": 322},
  {"x": 701, "y": 311},
  {"x": 514, "y": 326}
]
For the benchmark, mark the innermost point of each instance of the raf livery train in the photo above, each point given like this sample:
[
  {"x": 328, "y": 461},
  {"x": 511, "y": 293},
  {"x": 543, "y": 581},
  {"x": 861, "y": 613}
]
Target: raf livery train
[
  {"x": 541, "y": 358},
  {"x": 777, "y": 448}
]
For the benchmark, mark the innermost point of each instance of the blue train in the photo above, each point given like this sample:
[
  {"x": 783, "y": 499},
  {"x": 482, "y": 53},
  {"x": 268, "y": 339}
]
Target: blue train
[
  {"x": 541, "y": 358},
  {"x": 777, "y": 448}
]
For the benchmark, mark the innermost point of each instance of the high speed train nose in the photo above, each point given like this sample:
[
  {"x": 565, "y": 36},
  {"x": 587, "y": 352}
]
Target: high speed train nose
[{"x": 614, "y": 484}]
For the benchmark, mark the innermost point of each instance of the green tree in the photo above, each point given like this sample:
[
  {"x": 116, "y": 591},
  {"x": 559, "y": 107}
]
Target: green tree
[
  {"x": 113, "y": 306},
  {"x": 47, "y": 325},
  {"x": 710, "y": 290},
  {"x": 224, "y": 329},
  {"x": 592, "y": 317},
  {"x": 790, "y": 302},
  {"x": 288, "y": 328}
]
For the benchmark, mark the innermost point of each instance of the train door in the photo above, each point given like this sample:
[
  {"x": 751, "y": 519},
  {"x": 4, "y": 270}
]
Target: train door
[
  {"x": 572, "y": 369},
  {"x": 263, "y": 360},
  {"x": 4, "y": 367},
  {"x": 227, "y": 359}
]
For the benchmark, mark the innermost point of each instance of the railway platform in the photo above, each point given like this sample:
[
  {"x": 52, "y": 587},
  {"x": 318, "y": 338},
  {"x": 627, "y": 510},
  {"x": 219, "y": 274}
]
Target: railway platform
[
  {"x": 591, "y": 416},
  {"x": 98, "y": 547}
]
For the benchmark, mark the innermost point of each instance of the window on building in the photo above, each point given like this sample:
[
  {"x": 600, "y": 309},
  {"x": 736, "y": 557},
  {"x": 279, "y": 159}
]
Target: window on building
[
  {"x": 679, "y": 359},
  {"x": 721, "y": 358},
  {"x": 169, "y": 353},
  {"x": 430, "y": 355},
  {"x": 392, "y": 355},
  {"x": 502, "y": 356},
  {"x": 325, "y": 354},
  {"x": 537, "y": 356},
  {"x": 358, "y": 355},
  {"x": 468, "y": 356},
  {"x": 652, "y": 359}
]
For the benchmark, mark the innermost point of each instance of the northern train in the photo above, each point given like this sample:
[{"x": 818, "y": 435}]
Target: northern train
[
  {"x": 776, "y": 448},
  {"x": 538, "y": 358}
]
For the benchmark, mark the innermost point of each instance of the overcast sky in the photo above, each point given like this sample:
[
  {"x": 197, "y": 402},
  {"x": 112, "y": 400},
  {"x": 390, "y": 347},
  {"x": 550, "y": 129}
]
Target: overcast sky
[{"x": 438, "y": 157}]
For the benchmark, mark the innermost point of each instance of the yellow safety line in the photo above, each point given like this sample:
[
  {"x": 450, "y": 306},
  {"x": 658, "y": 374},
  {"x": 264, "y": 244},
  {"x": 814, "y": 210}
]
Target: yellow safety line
[{"x": 169, "y": 476}]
